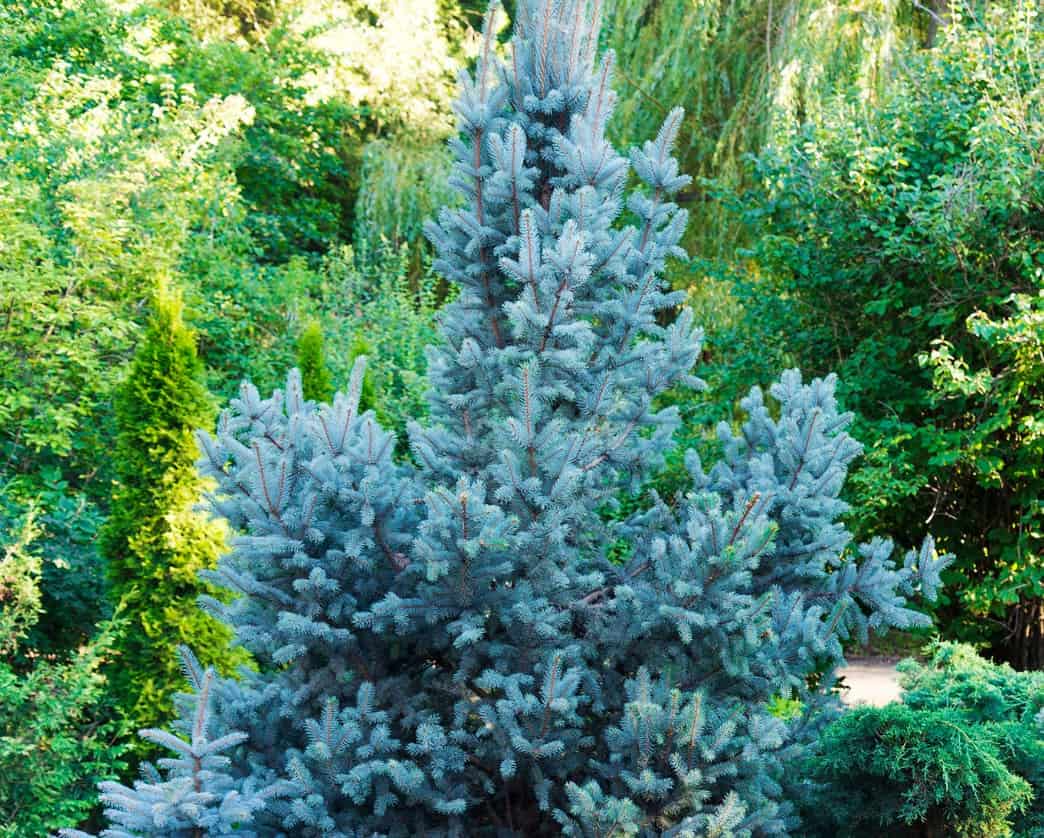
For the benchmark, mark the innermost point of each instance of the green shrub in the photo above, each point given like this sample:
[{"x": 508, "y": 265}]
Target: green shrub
[
  {"x": 155, "y": 541},
  {"x": 963, "y": 755},
  {"x": 987, "y": 693},
  {"x": 906, "y": 772},
  {"x": 56, "y": 737},
  {"x": 956, "y": 676}
]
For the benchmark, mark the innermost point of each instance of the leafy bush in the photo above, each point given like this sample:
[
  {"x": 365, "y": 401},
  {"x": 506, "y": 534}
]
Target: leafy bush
[
  {"x": 56, "y": 741},
  {"x": 998, "y": 440}
]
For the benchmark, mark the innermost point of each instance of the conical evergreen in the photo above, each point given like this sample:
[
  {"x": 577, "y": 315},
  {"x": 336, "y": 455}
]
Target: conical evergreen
[
  {"x": 449, "y": 648},
  {"x": 155, "y": 541},
  {"x": 315, "y": 375}
]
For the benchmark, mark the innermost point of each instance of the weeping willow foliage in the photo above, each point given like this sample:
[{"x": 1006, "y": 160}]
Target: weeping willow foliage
[
  {"x": 404, "y": 173},
  {"x": 746, "y": 72},
  {"x": 403, "y": 184}
]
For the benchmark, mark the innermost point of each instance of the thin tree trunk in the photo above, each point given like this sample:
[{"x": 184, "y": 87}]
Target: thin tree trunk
[
  {"x": 938, "y": 16},
  {"x": 1025, "y": 641}
]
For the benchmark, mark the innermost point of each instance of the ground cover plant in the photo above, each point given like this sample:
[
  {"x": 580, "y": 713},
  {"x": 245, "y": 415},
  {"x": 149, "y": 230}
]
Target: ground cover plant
[
  {"x": 452, "y": 644},
  {"x": 963, "y": 754}
]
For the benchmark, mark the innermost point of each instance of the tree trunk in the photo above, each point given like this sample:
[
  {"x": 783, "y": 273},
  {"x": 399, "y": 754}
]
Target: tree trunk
[
  {"x": 1024, "y": 645},
  {"x": 938, "y": 15}
]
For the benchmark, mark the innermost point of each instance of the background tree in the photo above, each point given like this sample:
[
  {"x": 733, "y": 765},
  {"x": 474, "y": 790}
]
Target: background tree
[
  {"x": 104, "y": 179},
  {"x": 760, "y": 67},
  {"x": 155, "y": 541}
]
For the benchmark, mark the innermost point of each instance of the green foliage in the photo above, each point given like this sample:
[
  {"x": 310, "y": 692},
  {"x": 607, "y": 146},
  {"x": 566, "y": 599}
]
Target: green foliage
[
  {"x": 112, "y": 207},
  {"x": 225, "y": 19},
  {"x": 996, "y": 439},
  {"x": 214, "y": 146},
  {"x": 880, "y": 232},
  {"x": 325, "y": 79},
  {"x": 295, "y": 162},
  {"x": 745, "y": 71},
  {"x": 962, "y": 755},
  {"x": 109, "y": 166},
  {"x": 220, "y": 153},
  {"x": 315, "y": 377},
  {"x": 73, "y": 586},
  {"x": 984, "y": 692},
  {"x": 402, "y": 185},
  {"x": 381, "y": 312},
  {"x": 154, "y": 540},
  {"x": 915, "y": 773},
  {"x": 787, "y": 709},
  {"x": 955, "y": 676},
  {"x": 248, "y": 314},
  {"x": 19, "y": 576},
  {"x": 55, "y": 744}
]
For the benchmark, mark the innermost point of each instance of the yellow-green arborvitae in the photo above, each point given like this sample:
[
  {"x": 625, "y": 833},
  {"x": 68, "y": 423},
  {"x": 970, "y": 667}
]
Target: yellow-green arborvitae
[{"x": 155, "y": 540}]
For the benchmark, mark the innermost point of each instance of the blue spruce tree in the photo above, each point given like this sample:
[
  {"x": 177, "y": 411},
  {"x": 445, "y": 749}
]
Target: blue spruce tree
[{"x": 447, "y": 647}]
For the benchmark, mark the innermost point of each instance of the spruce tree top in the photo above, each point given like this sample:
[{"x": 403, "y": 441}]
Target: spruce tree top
[
  {"x": 542, "y": 391},
  {"x": 449, "y": 648}
]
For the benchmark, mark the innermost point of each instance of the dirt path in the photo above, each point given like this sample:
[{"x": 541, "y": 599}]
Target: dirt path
[{"x": 871, "y": 681}]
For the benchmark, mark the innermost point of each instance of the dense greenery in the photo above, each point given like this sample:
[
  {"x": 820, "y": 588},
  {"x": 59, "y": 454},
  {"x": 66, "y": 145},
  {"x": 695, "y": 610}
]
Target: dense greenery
[
  {"x": 448, "y": 646},
  {"x": 56, "y": 739},
  {"x": 166, "y": 142},
  {"x": 138, "y": 143},
  {"x": 904, "y": 246},
  {"x": 746, "y": 72},
  {"x": 391, "y": 317},
  {"x": 868, "y": 197}
]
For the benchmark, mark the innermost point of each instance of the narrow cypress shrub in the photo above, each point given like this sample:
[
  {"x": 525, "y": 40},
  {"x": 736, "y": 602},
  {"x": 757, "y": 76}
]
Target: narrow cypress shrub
[
  {"x": 315, "y": 376},
  {"x": 155, "y": 541}
]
